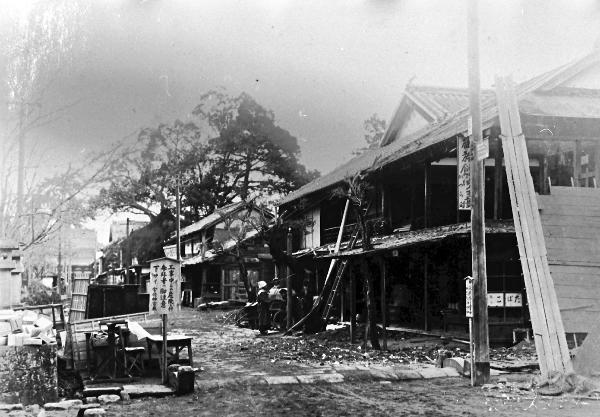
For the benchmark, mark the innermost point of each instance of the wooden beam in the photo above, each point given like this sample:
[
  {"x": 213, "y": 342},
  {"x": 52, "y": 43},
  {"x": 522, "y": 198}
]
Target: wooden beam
[{"x": 577, "y": 164}]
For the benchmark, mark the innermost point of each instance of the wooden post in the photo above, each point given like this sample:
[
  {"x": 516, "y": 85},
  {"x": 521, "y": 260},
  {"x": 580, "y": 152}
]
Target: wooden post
[
  {"x": 543, "y": 173},
  {"x": 383, "y": 271},
  {"x": 597, "y": 165},
  {"x": 352, "y": 302},
  {"x": 425, "y": 292},
  {"x": 498, "y": 178},
  {"x": 577, "y": 164},
  {"x": 426, "y": 192},
  {"x": 289, "y": 308},
  {"x": 480, "y": 311},
  {"x": 163, "y": 361}
]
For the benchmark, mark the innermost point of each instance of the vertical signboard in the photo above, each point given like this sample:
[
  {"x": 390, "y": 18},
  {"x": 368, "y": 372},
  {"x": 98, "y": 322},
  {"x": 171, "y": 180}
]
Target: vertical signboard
[
  {"x": 469, "y": 297},
  {"x": 165, "y": 286},
  {"x": 464, "y": 155}
]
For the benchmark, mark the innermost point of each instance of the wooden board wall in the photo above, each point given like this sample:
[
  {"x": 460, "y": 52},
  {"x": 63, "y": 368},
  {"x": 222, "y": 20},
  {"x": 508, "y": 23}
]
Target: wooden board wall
[{"x": 571, "y": 224}]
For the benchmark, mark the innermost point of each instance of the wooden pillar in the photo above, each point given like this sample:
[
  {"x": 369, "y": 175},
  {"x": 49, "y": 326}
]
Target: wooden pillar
[
  {"x": 352, "y": 283},
  {"x": 543, "y": 161},
  {"x": 597, "y": 164},
  {"x": 426, "y": 199},
  {"x": 426, "y": 292},
  {"x": 577, "y": 164},
  {"x": 383, "y": 272},
  {"x": 498, "y": 180},
  {"x": 288, "y": 279},
  {"x": 480, "y": 311}
]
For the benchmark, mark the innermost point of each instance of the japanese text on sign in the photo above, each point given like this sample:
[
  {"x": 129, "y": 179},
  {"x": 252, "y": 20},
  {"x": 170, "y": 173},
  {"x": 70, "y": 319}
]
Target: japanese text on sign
[
  {"x": 469, "y": 297},
  {"x": 464, "y": 157},
  {"x": 165, "y": 286}
]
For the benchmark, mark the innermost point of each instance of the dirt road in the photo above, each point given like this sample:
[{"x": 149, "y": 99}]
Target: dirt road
[{"x": 230, "y": 352}]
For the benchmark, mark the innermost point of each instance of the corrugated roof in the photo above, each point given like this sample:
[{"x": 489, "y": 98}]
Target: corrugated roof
[
  {"x": 430, "y": 135},
  {"x": 429, "y": 235}
]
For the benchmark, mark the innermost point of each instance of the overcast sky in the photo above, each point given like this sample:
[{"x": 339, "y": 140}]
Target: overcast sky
[{"x": 322, "y": 66}]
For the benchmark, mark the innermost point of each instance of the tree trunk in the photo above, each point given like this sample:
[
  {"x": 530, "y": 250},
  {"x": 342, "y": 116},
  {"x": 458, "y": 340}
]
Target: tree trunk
[{"x": 370, "y": 299}]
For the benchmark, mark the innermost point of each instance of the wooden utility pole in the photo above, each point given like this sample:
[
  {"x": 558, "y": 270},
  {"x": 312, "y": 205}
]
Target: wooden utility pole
[
  {"x": 480, "y": 311},
  {"x": 288, "y": 280}
]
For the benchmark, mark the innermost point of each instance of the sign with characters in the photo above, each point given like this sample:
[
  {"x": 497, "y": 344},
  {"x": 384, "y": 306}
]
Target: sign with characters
[
  {"x": 468, "y": 297},
  {"x": 513, "y": 299},
  {"x": 495, "y": 299},
  {"x": 464, "y": 157},
  {"x": 164, "y": 286}
]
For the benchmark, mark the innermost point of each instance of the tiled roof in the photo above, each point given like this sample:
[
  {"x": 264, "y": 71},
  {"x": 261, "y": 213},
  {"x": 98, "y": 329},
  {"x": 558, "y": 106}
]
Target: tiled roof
[
  {"x": 441, "y": 102},
  {"x": 212, "y": 219},
  {"x": 432, "y": 134}
]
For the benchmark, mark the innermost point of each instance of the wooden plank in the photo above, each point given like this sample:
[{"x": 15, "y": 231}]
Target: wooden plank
[
  {"x": 545, "y": 315},
  {"x": 554, "y": 319},
  {"x": 540, "y": 336},
  {"x": 569, "y": 191}
]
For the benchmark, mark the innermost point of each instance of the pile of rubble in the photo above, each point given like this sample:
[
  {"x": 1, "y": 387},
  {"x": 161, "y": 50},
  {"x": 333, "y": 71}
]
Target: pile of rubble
[{"x": 19, "y": 328}]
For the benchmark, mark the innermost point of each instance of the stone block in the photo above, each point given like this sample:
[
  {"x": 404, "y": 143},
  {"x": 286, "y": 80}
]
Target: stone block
[
  {"x": 461, "y": 365},
  {"x": 280, "y": 380},
  {"x": 330, "y": 378},
  {"x": 96, "y": 391},
  {"x": 109, "y": 398},
  {"x": 407, "y": 374},
  {"x": 63, "y": 405},
  {"x": 381, "y": 374},
  {"x": 10, "y": 407},
  {"x": 429, "y": 373},
  {"x": 181, "y": 379},
  {"x": 86, "y": 407},
  {"x": 147, "y": 390},
  {"x": 90, "y": 400},
  {"x": 94, "y": 412}
]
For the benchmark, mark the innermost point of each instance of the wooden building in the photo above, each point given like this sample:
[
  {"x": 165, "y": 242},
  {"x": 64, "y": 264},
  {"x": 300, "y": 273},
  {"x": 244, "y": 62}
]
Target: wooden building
[
  {"x": 420, "y": 204},
  {"x": 209, "y": 252}
]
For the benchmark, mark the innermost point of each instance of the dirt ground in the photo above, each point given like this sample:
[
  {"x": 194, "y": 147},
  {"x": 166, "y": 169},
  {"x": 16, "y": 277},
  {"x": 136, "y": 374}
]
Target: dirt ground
[
  {"x": 228, "y": 352},
  {"x": 440, "y": 397}
]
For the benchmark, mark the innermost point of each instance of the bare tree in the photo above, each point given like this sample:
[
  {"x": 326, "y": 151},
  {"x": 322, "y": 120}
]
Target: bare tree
[{"x": 36, "y": 49}]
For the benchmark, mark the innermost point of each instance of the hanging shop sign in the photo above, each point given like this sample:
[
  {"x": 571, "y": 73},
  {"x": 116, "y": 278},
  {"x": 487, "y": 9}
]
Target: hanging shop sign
[{"x": 464, "y": 156}]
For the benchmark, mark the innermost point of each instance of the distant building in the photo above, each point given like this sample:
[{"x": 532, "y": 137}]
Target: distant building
[
  {"x": 207, "y": 252},
  {"x": 118, "y": 229}
]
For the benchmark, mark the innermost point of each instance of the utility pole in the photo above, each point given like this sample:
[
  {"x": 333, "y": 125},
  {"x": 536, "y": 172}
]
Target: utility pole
[{"x": 480, "y": 311}]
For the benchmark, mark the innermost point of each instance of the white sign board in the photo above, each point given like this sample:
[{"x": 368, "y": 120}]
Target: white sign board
[
  {"x": 483, "y": 149},
  {"x": 495, "y": 299},
  {"x": 513, "y": 299},
  {"x": 469, "y": 297},
  {"x": 464, "y": 156},
  {"x": 164, "y": 286}
]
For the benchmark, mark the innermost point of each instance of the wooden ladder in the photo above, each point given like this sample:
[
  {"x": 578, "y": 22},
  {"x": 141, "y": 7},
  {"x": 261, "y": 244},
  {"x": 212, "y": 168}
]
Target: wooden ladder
[
  {"x": 338, "y": 276},
  {"x": 334, "y": 288}
]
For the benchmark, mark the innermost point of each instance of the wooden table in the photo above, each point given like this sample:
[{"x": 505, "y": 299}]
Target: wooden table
[{"x": 176, "y": 342}]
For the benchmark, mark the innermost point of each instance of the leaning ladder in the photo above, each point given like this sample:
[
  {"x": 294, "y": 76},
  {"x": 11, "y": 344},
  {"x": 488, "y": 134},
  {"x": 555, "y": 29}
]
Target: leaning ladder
[{"x": 338, "y": 277}]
